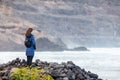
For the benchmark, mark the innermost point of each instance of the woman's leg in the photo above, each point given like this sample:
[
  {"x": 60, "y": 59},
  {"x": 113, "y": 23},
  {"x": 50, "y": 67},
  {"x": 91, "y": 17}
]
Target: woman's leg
[{"x": 29, "y": 60}]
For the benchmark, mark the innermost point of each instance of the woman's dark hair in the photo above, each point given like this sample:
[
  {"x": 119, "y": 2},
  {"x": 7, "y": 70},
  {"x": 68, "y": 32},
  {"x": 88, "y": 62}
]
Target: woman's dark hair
[{"x": 28, "y": 32}]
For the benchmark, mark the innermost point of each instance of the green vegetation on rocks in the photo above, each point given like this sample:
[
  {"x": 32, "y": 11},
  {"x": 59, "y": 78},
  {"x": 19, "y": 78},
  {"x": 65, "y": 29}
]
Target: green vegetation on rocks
[
  {"x": 30, "y": 74},
  {"x": 40, "y": 70}
]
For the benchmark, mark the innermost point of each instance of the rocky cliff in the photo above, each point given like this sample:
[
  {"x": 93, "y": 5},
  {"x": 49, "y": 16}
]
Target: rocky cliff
[{"x": 91, "y": 23}]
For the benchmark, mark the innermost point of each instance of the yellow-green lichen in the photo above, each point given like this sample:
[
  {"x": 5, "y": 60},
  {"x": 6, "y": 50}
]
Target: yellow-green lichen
[{"x": 30, "y": 74}]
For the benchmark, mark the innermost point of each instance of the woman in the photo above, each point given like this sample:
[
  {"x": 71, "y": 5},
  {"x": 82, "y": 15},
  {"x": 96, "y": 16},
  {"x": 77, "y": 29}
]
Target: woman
[{"x": 30, "y": 50}]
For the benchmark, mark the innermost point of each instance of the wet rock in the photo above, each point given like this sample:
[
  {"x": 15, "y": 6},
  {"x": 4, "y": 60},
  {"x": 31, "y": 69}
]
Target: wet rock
[
  {"x": 70, "y": 64},
  {"x": 59, "y": 66},
  {"x": 1, "y": 67},
  {"x": 92, "y": 75},
  {"x": 55, "y": 73},
  {"x": 80, "y": 77},
  {"x": 5, "y": 78},
  {"x": 65, "y": 78},
  {"x": 2, "y": 73},
  {"x": 23, "y": 62}
]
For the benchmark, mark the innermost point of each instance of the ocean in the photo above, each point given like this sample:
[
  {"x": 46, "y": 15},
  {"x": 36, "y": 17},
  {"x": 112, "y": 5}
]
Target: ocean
[{"x": 103, "y": 61}]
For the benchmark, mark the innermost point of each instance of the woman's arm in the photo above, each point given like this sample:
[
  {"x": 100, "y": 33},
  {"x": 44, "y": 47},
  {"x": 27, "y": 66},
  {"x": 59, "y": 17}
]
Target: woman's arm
[{"x": 34, "y": 42}]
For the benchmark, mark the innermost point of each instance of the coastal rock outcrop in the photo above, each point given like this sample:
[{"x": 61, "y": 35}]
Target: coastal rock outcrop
[{"x": 63, "y": 71}]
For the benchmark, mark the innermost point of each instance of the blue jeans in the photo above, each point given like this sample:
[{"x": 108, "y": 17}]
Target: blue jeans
[{"x": 29, "y": 60}]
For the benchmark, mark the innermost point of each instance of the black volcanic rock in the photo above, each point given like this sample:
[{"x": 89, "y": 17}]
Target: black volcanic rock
[{"x": 63, "y": 71}]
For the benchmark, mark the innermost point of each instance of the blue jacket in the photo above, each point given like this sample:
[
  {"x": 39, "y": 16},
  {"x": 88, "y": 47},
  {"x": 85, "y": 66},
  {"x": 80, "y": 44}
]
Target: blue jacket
[{"x": 30, "y": 51}]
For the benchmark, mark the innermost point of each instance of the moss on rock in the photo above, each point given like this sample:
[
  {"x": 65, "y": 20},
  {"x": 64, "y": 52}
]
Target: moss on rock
[{"x": 30, "y": 74}]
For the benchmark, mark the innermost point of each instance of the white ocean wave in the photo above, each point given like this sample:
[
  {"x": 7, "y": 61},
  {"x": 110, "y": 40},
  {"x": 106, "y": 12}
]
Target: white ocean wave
[{"x": 103, "y": 61}]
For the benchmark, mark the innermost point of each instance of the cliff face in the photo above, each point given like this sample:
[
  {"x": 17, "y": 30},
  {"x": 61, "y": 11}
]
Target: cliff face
[
  {"x": 12, "y": 29},
  {"x": 92, "y": 23}
]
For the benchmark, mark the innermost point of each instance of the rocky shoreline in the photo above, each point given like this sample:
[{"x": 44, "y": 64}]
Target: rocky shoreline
[{"x": 63, "y": 71}]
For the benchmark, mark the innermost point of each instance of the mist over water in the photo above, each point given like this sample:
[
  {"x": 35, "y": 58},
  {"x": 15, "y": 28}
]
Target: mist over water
[{"x": 103, "y": 61}]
